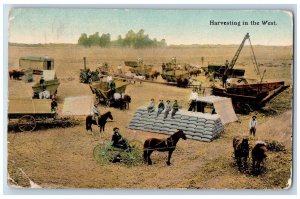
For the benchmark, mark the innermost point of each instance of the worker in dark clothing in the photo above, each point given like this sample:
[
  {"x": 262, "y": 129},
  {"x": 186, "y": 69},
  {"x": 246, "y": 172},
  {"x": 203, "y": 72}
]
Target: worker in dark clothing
[
  {"x": 224, "y": 79},
  {"x": 118, "y": 141},
  {"x": 161, "y": 107},
  {"x": 53, "y": 105}
]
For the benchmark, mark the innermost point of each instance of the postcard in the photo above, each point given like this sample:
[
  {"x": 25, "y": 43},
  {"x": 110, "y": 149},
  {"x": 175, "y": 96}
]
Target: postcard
[{"x": 150, "y": 98}]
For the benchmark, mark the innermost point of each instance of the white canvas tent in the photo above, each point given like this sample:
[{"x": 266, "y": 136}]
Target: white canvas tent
[
  {"x": 79, "y": 105},
  {"x": 223, "y": 107}
]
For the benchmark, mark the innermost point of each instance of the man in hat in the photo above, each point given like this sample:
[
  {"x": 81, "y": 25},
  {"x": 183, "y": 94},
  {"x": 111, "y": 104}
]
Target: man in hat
[
  {"x": 118, "y": 141},
  {"x": 193, "y": 100},
  {"x": 253, "y": 125},
  {"x": 151, "y": 107},
  {"x": 96, "y": 113},
  {"x": 175, "y": 108},
  {"x": 168, "y": 109},
  {"x": 161, "y": 107}
]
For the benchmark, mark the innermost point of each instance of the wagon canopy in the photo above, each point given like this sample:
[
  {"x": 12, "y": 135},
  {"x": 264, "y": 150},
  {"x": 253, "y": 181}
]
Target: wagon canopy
[
  {"x": 50, "y": 85},
  {"x": 29, "y": 106},
  {"x": 102, "y": 87},
  {"x": 223, "y": 107}
]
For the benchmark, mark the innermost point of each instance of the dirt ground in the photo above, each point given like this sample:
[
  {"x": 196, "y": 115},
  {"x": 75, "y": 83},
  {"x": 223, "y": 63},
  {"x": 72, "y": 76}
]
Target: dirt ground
[{"x": 63, "y": 158}]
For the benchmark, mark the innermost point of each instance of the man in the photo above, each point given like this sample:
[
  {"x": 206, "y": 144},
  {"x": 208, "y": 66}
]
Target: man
[
  {"x": 112, "y": 87},
  {"x": 53, "y": 105},
  {"x": 168, "y": 109},
  {"x": 96, "y": 113},
  {"x": 224, "y": 80},
  {"x": 42, "y": 82},
  {"x": 161, "y": 107},
  {"x": 193, "y": 100},
  {"x": 253, "y": 125},
  {"x": 44, "y": 94},
  {"x": 175, "y": 108},
  {"x": 118, "y": 141},
  {"x": 151, "y": 107}
]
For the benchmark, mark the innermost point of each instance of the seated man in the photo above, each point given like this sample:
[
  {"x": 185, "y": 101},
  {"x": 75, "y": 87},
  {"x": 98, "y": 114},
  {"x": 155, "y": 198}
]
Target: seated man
[
  {"x": 118, "y": 141},
  {"x": 151, "y": 107},
  {"x": 96, "y": 113},
  {"x": 44, "y": 94}
]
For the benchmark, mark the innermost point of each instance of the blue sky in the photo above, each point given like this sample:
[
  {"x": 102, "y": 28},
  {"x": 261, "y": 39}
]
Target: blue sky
[{"x": 64, "y": 25}]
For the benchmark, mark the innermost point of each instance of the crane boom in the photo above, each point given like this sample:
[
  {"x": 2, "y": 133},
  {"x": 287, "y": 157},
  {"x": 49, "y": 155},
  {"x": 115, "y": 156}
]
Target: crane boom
[{"x": 232, "y": 63}]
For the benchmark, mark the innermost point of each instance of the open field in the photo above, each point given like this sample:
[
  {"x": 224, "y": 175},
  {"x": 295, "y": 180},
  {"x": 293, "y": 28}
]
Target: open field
[{"x": 62, "y": 158}]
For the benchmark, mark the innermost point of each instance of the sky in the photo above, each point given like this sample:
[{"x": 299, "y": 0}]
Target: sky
[{"x": 65, "y": 25}]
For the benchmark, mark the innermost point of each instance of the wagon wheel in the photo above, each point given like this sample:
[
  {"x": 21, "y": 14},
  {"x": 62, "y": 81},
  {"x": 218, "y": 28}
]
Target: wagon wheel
[
  {"x": 26, "y": 123},
  {"x": 104, "y": 153}
]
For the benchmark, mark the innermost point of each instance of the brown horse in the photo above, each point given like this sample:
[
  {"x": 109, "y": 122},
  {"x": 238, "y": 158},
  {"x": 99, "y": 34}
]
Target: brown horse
[
  {"x": 258, "y": 155},
  {"x": 162, "y": 145},
  {"x": 241, "y": 152}
]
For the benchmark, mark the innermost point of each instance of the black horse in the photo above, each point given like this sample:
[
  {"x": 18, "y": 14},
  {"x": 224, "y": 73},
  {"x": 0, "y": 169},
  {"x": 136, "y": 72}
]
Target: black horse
[
  {"x": 101, "y": 121},
  {"x": 124, "y": 102},
  {"x": 258, "y": 155},
  {"x": 169, "y": 144},
  {"x": 241, "y": 152}
]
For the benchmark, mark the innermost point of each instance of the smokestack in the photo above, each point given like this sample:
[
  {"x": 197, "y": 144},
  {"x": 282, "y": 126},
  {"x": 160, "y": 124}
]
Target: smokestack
[{"x": 84, "y": 62}]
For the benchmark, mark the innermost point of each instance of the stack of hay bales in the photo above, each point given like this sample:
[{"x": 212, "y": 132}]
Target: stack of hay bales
[{"x": 199, "y": 126}]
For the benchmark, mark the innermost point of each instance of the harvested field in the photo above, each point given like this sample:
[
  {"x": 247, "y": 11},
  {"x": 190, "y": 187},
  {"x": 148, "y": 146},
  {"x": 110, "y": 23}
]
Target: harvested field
[{"x": 63, "y": 158}]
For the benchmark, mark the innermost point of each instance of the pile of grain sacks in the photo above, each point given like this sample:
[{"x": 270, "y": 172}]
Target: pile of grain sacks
[{"x": 199, "y": 126}]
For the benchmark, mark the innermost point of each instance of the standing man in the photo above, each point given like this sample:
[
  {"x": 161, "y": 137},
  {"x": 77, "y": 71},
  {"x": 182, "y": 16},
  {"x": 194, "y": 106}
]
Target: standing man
[
  {"x": 253, "y": 125},
  {"x": 175, "y": 108},
  {"x": 96, "y": 113},
  {"x": 161, "y": 107},
  {"x": 151, "y": 106},
  {"x": 168, "y": 109},
  {"x": 193, "y": 100},
  {"x": 53, "y": 105},
  {"x": 112, "y": 87}
]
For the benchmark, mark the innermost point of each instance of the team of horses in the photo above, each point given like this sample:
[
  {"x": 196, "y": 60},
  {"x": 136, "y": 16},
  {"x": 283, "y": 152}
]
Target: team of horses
[
  {"x": 241, "y": 154},
  {"x": 240, "y": 145}
]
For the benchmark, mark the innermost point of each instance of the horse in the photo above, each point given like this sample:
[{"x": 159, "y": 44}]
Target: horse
[
  {"x": 258, "y": 155},
  {"x": 124, "y": 103},
  {"x": 101, "y": 121},
  {"x": 16, "y": 74},
  {"x": 162, "y": 145},
  {"x": 241, "y": 152}
]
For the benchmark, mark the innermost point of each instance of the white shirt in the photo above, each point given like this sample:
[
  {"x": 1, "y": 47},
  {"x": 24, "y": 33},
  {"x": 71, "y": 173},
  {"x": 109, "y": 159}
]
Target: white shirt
[
  {"x": 194, "y": 96},
  {"x": 96, "y": 111},
  {"x": 253, "y": 124},
  {"x": 117, "y": 96},
  {"x": 44, "y": 94}
]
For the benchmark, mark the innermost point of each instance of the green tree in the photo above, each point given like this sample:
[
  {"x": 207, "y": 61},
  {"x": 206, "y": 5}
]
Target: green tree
[
  {"x": 104, "y": 40},
  {"x": 84, "y": 40}
]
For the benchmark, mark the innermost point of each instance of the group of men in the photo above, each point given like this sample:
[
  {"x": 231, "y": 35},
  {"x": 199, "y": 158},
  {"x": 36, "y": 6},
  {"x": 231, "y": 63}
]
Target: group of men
[{"x": 163, "y": 107}]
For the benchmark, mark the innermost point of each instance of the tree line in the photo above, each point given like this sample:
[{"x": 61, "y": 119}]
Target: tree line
[{"x": 132, "y": 40}]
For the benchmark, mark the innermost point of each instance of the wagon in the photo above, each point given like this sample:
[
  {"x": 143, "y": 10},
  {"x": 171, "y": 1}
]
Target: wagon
[
  {"x": 26, "y": 113},
  {"x": 250, "y": 96},
  {"x": 49, "y": 85},
  {"x": 103, "y": 93}
]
